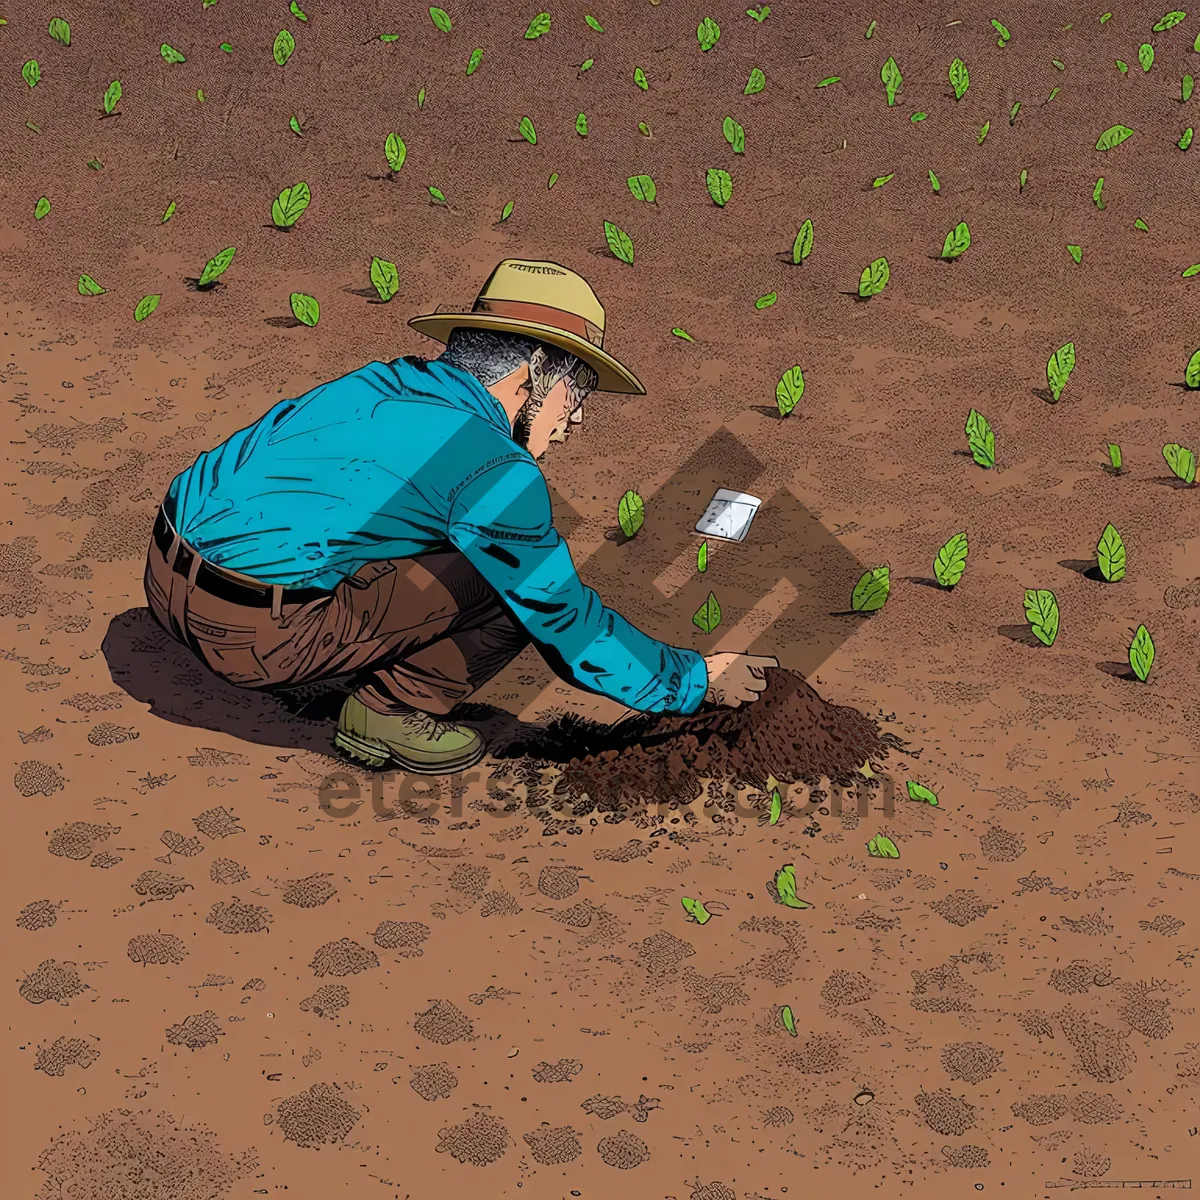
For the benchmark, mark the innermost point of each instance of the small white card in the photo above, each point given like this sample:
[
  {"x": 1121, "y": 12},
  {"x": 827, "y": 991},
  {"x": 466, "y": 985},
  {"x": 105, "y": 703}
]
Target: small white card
[{"x": 728, "y": 515}]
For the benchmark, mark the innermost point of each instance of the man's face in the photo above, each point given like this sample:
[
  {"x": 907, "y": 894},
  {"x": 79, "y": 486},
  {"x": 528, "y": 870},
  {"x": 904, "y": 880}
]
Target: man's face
[{"x": 561, "y": 408}]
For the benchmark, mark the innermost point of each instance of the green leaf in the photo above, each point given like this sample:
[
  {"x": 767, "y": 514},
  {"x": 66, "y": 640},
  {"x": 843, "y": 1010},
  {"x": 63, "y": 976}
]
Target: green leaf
[
  {"x": 200, "y": 95},
  {"x": 288, "y": 206},
  {"x": 170, "y": 54},
  {"x": 631, "y": 512},
  {"x": 436, "y": 194},
  {"x": 785, "y": 888},
  {"x": 1004, "y": 34},
  {"x": 619, "y": 242},
  {"x": 1191, "y": 375},
  {"x": 1122, "y": 66},
  {"x": 882, "y": 847},
  {"x": 89, "y": 287},
  {"x": 889, "y": 73},
  {"x": 1024, "y": 179},
  {"x": 644, "y": 129},
  {"x": 305, "y": 308},
  {"x": 766, "y": 301},
  {"x": 1012, "y": 112},
  {"x": 1169, "y": 21},
  {"x": 1062, "y": 66},
  {"x": 297, "y": 11},
  {"x": 1186, "y": 87},
  {"x": 1098, "y": 193},
  {"x": 755, "y": 83},
  {"x": 789, "y": 390},
  {"x": 283, "y": 47},
  {"x": 1196, "y": 44},
  {"x": 708, "y": 33},
  {"x": 216, "y": 267},
  {"x": 874, "y": 278},
  {"x": 960, "y": 78},
  {"x": 539, "y": 25},
  {"x": 1076, "y": 252},
  {"x": 642, "y": 187},
  {"x": 802, "y": 246},
  {"x": 226, "y": 47},
  {"x": 60, "y": 31},
  {"x": 389, "y": 37},
  {"x": 507, "y": 211},
  {"x": 474, "y": 61},
  {"x": 441, "y": 18},
  {"x": 735, "y": 135},
  {"x": 1105, "y": 17},
  {"x": 1146, "y": 55},
  {"x": 1110, "y": 555},
  {"x": 789, "y": 1021},
  {"x": 760, "y": 14},
  {"x": 702, "y": 553},
  {"x": 775, "y": 811},
  {"x": 594, "y": 23},
  {"x": 1185, "y": 140},
  {"x": 1114, "y": 456},
  {"x": 696, "y": 910},
  {"x": 687, "y": 337},
  {"x": 41, "y": 209},
  {"x": 170, "y": 212},
  {"x": 983, "y": 132},
  {"x": 934, "y": 181},
  {"x": 395, "y": 150},
  {"x": 981, "y": 441},
  {"x": 951, "y": 561},
  {"x": 1058, "y": 369},
  {"x": 421, "y": 98},
  {"x": 708, "y": 616},
  {"x": 1113, "y": 136},
  {"x": 957, "y": 242},
  {"x": 112, "y": 95},
  {"x": 385, "y": 278},
  {"x": 551, "y": 181},
  {"x": 1041, "y": 611},
  {"x": 920, "y": 793},
  {"x": 1182, "y": 462},
  {"x": 581, "y": 125},
  {"x": 918, "y": 116},
  {"x": 527, "y": 131},
  {"x": 294, "y": 126},
  {"x": 828, "y": 80},
  {"x": 31, "y": 72},
  {"x": 1141, "y": 653},
  {"x": 639, "y": 77},
  {"x": 145, "y": 306},
  {"x": 720, "y": 186},
  {"x": 880, "y": 180},
  {"x": 871, "y": 591}
]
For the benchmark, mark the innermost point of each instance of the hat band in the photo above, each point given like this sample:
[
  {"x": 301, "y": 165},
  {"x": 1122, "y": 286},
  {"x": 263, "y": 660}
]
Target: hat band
[{"x": 542, "y": 314}]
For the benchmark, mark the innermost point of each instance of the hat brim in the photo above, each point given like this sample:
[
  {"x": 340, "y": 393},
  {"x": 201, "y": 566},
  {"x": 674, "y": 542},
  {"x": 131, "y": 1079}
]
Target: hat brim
[{"x": 614, "y": 376}]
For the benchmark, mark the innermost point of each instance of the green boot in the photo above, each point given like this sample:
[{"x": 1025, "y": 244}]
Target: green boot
[{"x": 411, "y": 740}]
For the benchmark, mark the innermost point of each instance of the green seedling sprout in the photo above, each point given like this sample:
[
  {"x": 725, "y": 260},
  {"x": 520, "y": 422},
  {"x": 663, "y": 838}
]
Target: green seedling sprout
[
  {"x": 539, "y": 25},
  {"x": 1058, "y": 369},
  {"x": 581, "y": 125},
  {"x": 755, "y": 83},
  {"x": 1185, "y": 139},
  {"x": 1004, "y": 35},
  {"x": 828, "y": 81},
  {"x": 1141, "y": 653},
  {"x": 593, "y": 23},
  {"x": 775, "y": 808},
  {"x": 785, "y": 888},
  {"x": 1188, "y": 272},
  {"x": 735, "y": 135},
  {"x": 951, "y": 561},
  {"x": 695, "y": 910},
  {"x": 1182, "y": 462},
  {"x": 60, "y": 31},
  {"x": 41, "y": 209},
  {"x": 385, "y": 278},
  {"x": 1110, "y": 554},
  {"x": 631, "y": 513},
  {"x": 552, "y": 181},
  {"x": 802, "y": 246},
  {"x": 1187, "y": 86},
  {"x": 441, "y": 18},
  {"x": 1076, "y": 253},
  {"x": 874, "y": 278},
  {"x": 31, "y": 72},
  {"x": 1113, "y": 136},
  {"x": 620, "y": 244},
  {"x": 934, "y": 182},
  {"x": 216, "y": 267},
  {"x": 920, "y": 793},
  {"x": 437, "y": 195},
  {"x": 767, "y": 300},
  {"x": 642, "y": 187},
  {"x": 892, "y": 79},
  {"x": 1012, "y": 113},
  {"x": 788, "y": 1020},
  {"x": 720, "y": 185},
  {"x": 789, "y": 390},
  {"x": 170, "y": 54},
  {"x": 1146, "y": 56},
  {"x": 169, "y": 212},
  {"x": 1115, "y": 458},
  {"x": 527, "y": 131},
  {"x": 89, "y": 287},
  {"x": 145, "y": 306},
  {"x": 981, "y": 441},
  {"x": 708, "y": 33},
  {"x": 872, "y": 590},
  {"x": 507, "y": 210},
  {"x": 284, "y": 45},
  {"x": 957, "y": 242},
  {"x": 112, "y": 95},
  {"x": 683, "y": 333},
  {"x": 880, "y": 180},
  {"x": 297, "y": 11},
  {"x": 639, "y": 78},
  {"x": 1191, "y": 373},
  {"x": 882, "y": 847},
  {"x": 1169, "y": 21},
  {"x": 289, "y": 205},
  {"x": 1024, "y": 179},
  {"x": 708, "y": 616},
  {"x": 983, "y": 132},
  {"x": 960, "y": 78},
  {"x": 305, "y": 308},
  {"x": 702, "y": 554},
  {"x": 871, "y": 30},
  {"x": 294, "y": 126},
  {"x": 759, "y": 14},
  {"x": 1098, "y": 194},
  {"x": 1041, "y": 611},
  {"x": 474, "y": 61}
]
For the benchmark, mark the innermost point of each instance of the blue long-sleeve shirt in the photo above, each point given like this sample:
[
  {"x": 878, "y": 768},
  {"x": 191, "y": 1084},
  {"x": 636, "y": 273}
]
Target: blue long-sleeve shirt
[{"x": 397, "y": 459}]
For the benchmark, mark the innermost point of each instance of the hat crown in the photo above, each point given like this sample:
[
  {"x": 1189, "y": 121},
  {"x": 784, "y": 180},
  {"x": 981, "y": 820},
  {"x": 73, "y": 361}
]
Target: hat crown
[{"x": 545, "y": 283}]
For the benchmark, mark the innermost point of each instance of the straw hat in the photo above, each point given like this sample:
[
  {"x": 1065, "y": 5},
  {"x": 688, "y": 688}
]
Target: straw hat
[{"x": 541, "y": 300}]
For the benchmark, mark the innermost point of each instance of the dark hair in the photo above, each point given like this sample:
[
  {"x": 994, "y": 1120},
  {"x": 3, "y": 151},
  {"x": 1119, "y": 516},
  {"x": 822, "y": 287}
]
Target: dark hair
[{"x": 487, "y": 354}]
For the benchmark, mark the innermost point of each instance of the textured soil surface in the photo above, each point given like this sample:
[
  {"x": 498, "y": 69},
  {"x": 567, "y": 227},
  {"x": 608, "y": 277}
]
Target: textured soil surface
[{"x": 239, "y": 967}]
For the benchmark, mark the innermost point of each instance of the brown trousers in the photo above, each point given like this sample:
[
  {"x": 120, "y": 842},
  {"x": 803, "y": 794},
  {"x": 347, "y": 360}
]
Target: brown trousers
[{"x": 422, "y": 632}]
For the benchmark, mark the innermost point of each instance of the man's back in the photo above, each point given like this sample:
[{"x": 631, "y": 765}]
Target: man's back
[{"x": 357, "y": 470}]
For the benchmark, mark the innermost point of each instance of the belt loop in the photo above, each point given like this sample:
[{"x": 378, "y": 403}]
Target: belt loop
[
  {"x": 276, "y": 602},
  {"x": 173, "y": 548},
  {"x": 193, "y": 569}
]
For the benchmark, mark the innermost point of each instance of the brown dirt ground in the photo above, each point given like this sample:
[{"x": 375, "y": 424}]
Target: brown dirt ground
[{"x": 1012, "y": 996}]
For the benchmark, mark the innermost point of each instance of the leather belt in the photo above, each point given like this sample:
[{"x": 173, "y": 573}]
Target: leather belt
[{"x": 219, "y": 583}]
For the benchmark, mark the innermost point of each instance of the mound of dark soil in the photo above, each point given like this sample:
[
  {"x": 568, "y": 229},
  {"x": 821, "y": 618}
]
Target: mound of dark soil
[{"x": 789, "y": 732}]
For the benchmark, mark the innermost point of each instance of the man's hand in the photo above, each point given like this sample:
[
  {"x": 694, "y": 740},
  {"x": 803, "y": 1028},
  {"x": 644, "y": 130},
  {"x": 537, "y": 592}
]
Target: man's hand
[{"x": 734, "y": 679}]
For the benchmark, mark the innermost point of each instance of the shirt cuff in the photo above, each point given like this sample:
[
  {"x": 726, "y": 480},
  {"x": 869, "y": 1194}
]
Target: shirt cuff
[{"x": 694, "y": 685}]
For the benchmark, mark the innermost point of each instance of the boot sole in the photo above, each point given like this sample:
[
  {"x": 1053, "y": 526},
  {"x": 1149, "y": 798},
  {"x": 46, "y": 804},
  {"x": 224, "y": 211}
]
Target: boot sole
[{"x": 375, "y": 755}]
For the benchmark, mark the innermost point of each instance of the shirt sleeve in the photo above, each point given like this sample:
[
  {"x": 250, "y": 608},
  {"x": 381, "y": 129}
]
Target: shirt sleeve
[{"x": 501, "y": 520}]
